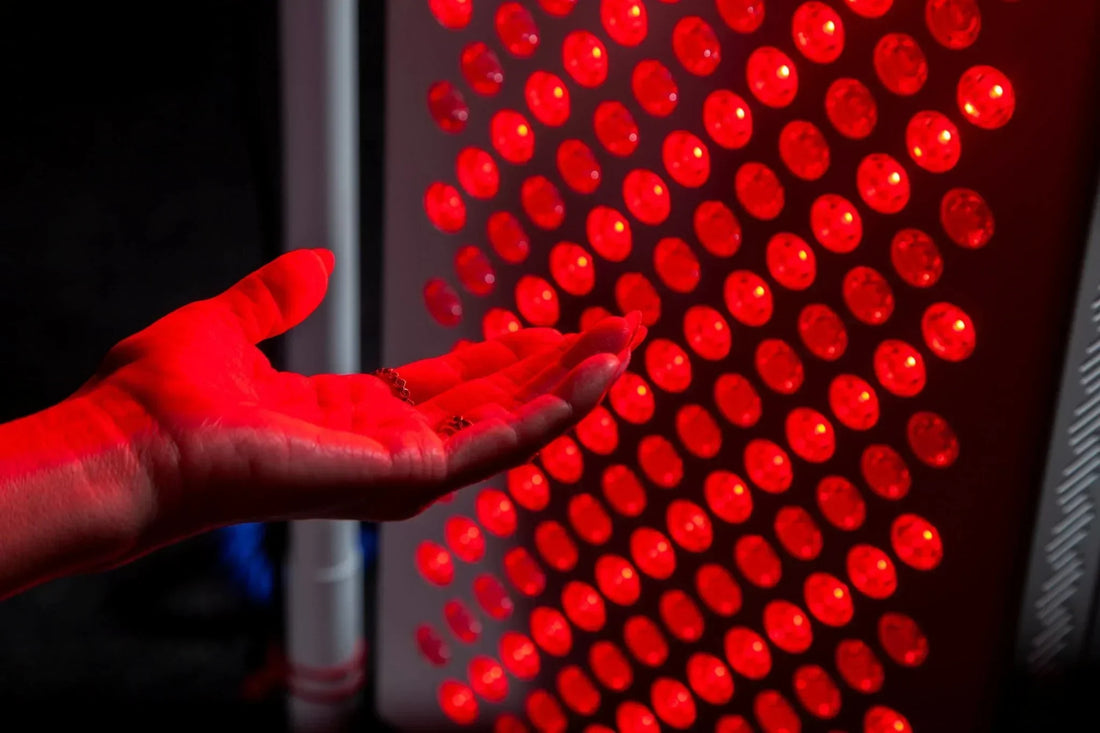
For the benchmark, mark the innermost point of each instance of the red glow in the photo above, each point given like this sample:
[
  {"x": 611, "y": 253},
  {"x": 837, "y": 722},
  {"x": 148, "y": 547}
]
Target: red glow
[
  {"x": 916, "y": 258},
  {"x": 618, "y": 580},
  {"x": 900, "y": 368},
  {"x": 556, "y": 546},
  {"x": 787, "y": 626},
  {"x": 748, "y": 298},
  {"x": 519, "y": 655},
  {"x": 883, "y": 183},
  {"x": 592, "y": 315},
  {"x": 474, "y": 271},
  {"x": 966, "y": 218},
  {"x": 507, "y": 237},
  {"x": 578, "y": 166},
  {"x": 434, "y": 563},
  {"x": 900, "y": 64},
  {"x": 465, "y": 538},
  {"x": 822, "y": 332},
  {"x": 757, "y": 561},
  {"x": 816, "y": 691},
  {"x": 517, "y": 29},
  {"x": 632, "y": 398},
  {"x": 917, "y": 542},
  {"x": 706, "y": 332},
  {"x": 851, "y": 108},
  {"x": 840, "y": 502},
  {"x": 551, "y": 631},
  {"x": 854, "y": 402},
  {"x": 681, "y": 615},
  {"x": 615, "y": 128},
  {"x": 452, "y": 14},
  {"x": 482, "y": 69},
  {"x": 547, "y": 98},
  {"x": 458, "y": 702},
  {"x": 477, "y": 173},
  {"x": 718, "y": 590},
  {"x": 747, "y": 653},
  {"x": 768, "y": 466},
  {"x": 868, "y": 295},
  {"x": 646, "y": 196},
  {"x": 737, "y": 400},
  {"x": 836, "y": 223},
  {"x": 487, "y": 678},
  {"x": 986, "y": 97},
  {"x": 772, "y": 76},
  {"x": 798, "y": 533},
  {"x": 696, "y": 46},
  {"x": 645, "y": 641},
  {"x": 673, "y": 702},
  {"x": 562, "y": 459},
  {"x": 572, "y": 268},
  {"x": 445, "y": 208},
  {"x": 608, "y": 233},
  {"x": 542, "y": 202},
  {"x": 732, "y": 724},
  {"x": 545, "y": 712},
  {"x": 528, "y": 486},
  {"x": 727, "y": 119},
  {"x": 676, "y": 264},
  {"x": 885, "y": 472},
  {"x": 818, "y": 32},
  {"x": 448, "y": 107},
  {"x": 625, "y": 21},
  {"x": 583, "y": 605},
  {"x": 743, "y": 16},
  {"x": 728, "y": 496},
  {"x": 698, "y": 431},
  {"x": 686, "y": 158},
  {"x": 717, "y": 228},
  {"x": 652, "y": 552},
  {"x": 537, "y": 301},
  {"x": 590, "y": 520},
  {"x": 828, "y": 599},
  {"x": 585, "y": 58},
  {"x": 461, "y": 622},
  {"x": 623, "y": 491},
  {"x": 634, "y": 292},
  {"x": 881, "y": 719},
  {"x": 933, "y": 142},
  {"x": 759, "y": 191},
  {"x": 948, "y": 331},
  {"x": 492, "y": 597},
  {"x": 779, "y": 366},
  {"x": 610, "y": 666},
  {"x": 442, "y": 302},
  {"x": 431, "y": 646},
  {"x": 804, "y": 150},
  {"x": 902, "y": 639},
  {"x": 558, "y": 8},
  {"x": 791, "y": 261},
  {"x": 872, "y": 571},
  {"x": 577, "y": 690},
  {"x": 512, "y": 136},
  {"x": 775, "y": 714},
  {"x": 668, "y": 365},
  {"x": 654, "y": 88},
  {"x": 633, "y": 717},
  {"x": 689, "y": 525},
  {"x": 710, "y": 678},
  {"x": 523, "y": 572},
  {"x": 870, "y": 8},
  {"x": 810, "y": 435},
  {"x": 859, "y": 667}
]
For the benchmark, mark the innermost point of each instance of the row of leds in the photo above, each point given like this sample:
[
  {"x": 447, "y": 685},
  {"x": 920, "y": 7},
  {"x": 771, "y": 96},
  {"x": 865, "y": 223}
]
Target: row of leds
[{"x": 576, "y": 625}]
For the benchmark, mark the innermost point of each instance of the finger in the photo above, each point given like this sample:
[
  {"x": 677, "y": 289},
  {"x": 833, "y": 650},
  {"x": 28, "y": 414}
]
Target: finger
[{"x": 278, "y": 296}]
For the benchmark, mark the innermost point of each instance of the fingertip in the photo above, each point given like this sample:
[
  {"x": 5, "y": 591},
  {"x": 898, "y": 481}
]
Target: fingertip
[
  {"x": 328, "y": 259},
  {"x": 639, "y": 336}
]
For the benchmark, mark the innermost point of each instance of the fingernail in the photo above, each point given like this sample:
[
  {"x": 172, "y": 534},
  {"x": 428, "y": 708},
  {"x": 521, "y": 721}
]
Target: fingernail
[
  {"x": 638, "y": 337},
  {"x": 328, "y": 259}
]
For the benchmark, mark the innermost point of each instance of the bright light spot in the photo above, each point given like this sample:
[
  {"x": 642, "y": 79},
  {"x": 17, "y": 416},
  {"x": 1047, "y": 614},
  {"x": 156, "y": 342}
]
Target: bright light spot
[
  {"x": 829, "y": 27},
  {"x": 784, "y": 71},
  {"x": 945, "y": 136},
  {"x": 697, "y": 152},
  {"x": 926, "y": 534},
  {"x": 740, "y": 113},
  {"x": 996, "y": 91},
  {"x": 522, "y": 130},
  {"x": 758, "y": 291},
  {"x": 558, "y": 92},
  {"x": 619, "y": 226},
  {"x": 848, "y": 218},
  {"x": 582, "y": 261},
  {"x": 959, "y": 325},
  {"x": 895, "y": 178}
]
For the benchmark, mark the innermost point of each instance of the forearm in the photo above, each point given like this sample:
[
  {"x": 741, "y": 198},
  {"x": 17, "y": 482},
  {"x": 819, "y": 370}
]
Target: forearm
[{"x": 74, "y": 492}]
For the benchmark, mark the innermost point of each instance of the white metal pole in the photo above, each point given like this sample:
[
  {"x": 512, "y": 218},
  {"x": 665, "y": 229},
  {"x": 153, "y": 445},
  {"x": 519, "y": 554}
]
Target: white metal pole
[{"x": 324, "y": 579}]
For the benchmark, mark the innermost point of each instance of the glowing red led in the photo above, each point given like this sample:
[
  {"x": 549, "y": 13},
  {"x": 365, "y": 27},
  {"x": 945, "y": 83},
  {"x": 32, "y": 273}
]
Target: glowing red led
[
  {"x": 492, "y": 597},
  {"x": 791, "y": 261},
  {"x": 717, "y": 228},
  {"x": 431, "y": 646},
  {"x": 709, "y": 678},
  {"x": 881, "y": 719},
  {"x": 676, "y": 264},
  {"x": 851, "y": 108},
  {"x": 668, "y": 365},
  {"x": 555, "y": 545},
  {"x": 452, "y": 14},
  {"x": 562, "y": 459},
  {"x": 542, "y": 202},
  {"x": 883, "y": 183},
  {"x": 519, "y": 655},
  {"x": 652, "y": 553},
  {"x": 728, "y": 496},
  {"x": 615, "y": 128},
  {"x": 508, "y": 723},
  {"x": 836, "y": 223},
  {"x": 804, "y": 150},
  {"x": 779, "y": 366},
  {"x": 816, "y": 691},
  {"x": 768, "y": 466},
  {"x": 578, "y": 166},
  {"x": 610, "y": 666},
  {"x": 696, "y": 45},
  {"x": 448, "y": 107},
  {"x": 609, "y": 233},
  {"x": 759, "y": 191},
  {"x": 633, "y": 717},
  {"x": 870, "y": 8},
  {"x": 872, "y": 571},
  {"x": 916, "y": 542},
  {"x": 529, "y": 487},
  {"x": 757, "y": 561},
  {"x": 457, "y": 700},
  {"x": 547, "y": 98},
  {"x": 545, "y": 713},
  {"x": 632, "y": 398},
  {"x": 748, "y": 653},
  {"x": 618, "y": 580},
  {"x": 689, "y": 525},
  {"x": 598, "y": 432},
  {"x": 748, "y": 298},
  {"x": 727, "y": 119},
  {"x": 818, "y": 32},
  {"x": 508, "y": 238},
  {"x": 517, "y": 30},
  {"x": 966, "y": 218},
  {"x": 686, "y": 158},
  {"x": 900, "y": 64},
  {"x": 625, "y": 21},
  {"x": 717, "y": 589},
  {"x": 840, "y": 503},
  {"x": 512, "y": 136},
  {"x": 585, "y": 58},
  {"x": 577, "y": 691},
  {"x": 558, "y": 8},
  {"x": 868, "y": 295},
  {"x": 774, "y": 713},
  {"x": 482, "y": 69},
  {"x": 902, "y": 639},
  {"x": 986, "y": 97},
  {"x": 698, "y": 431},
  {"x": 477, "y": 173},
  {"x": 681, "y": 616},
  {"x": 646, "y": 196},
  {"x": 737, "y": 400},
  {"x": 822, "y": 332},
  {"x": 523, "y": 572},
  {"x": 464, "y": 538},
  {"x": 885, "y": 472},
  {"x": 948, "y": 331},
  {"x": 442, "y": 302},
  {"x": 859, "y": 667},
  {"x": 654, "y": 88},
  {"x": 645, "y": 641},
  {"x": 828, "y": 599},
  {"x": 810, "y": 435},
  {"x": 572, "y": 268},
  {"x": 445, "y": 208},
  {"x": 916, "y": 258},
  {"x": 551, "y": 631},
  {"x": 634, "y": 292},
  {"x": 537, "y": 301},
  {"x": 434, "y": 563},
  {"x": 592, "y": 315},
  {"x": 788, "y": 627},
  {"x": 589, "y": 519},
  {"x": 623, "y": 491},
  {"x": 772, "y": 76},
  {"x": 854, "y": 402},
  {"x": 707, "y": 332},
  {"x": 933, "y": 142},
  {"x": 743, "y": 16},
  {"x": 673, "y": 703},
  {"x": 660, "y": 462},
  {"x": 583, "y": 605},
  {"x": 900, "y": 368},
  {"x": 487, "y": 678},
  {"x": 461, "y": 622},
  {"x": 798, "y": 533},
  {"x": 474, "y": 270}
]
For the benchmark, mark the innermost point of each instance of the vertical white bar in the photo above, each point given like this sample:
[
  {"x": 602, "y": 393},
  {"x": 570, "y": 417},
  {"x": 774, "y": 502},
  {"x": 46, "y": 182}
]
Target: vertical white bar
[{"x": 324, "y": 614}]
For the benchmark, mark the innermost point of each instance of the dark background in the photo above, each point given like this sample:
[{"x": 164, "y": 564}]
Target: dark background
[{"x": 139, "y": 170}]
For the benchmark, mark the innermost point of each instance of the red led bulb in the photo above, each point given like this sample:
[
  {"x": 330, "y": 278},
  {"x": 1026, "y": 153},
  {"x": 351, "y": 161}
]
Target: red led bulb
[
  {"x": 900, "y": 64},
  {"x": 654, "y": 88},
  {"x": 653, "y": 553},
  {"x": 517, "y": 30},
  {"x": 728, "y": 496},
  {"x": 696, "y": 45},
  {"x": 431, "y": 646},
  {"x": 774, "y": 713},
  {"x": 768, "y": 466},
  {"x": 868, "y": 295},
  {"x": 668, "y": 365},
  {"x": 457, "y": 700},
  {"x": 816, "y": 691},
  {"x": 822, "y": 332},
  {"x": 791, "y": 261},
  {"x": 623, "y": 491},
  {"x": 986, "y": 97},
  {"x": 558, "y": 8},
  {"x": 743, "y": 16},
  {"x": 748, "y": 653},
  {"x": 585, "y": 58},
  {"x": 482, "y": 69},
  {"x": 870, "y": 8},
  {"x": 916, "y": 542},
  {"x": 779, "y": 366},
  {"x": 759, "y": 191},
  {"x": 686, "y": 159},
  {"x": 442, "y": 302},
  {"x": 872, "y": 571},
  {"x": 916, "y": 258},
  {"x": 828, "y": 599},
  {"x": 625, "y": 21},
  {"x": 710, "y": 678},
  {"x": 633, "y": 717},
  {"x": 707, "y": 332},
  {"x": 681, "y": 616},
  {"x": 798, "y": 533},
  {"x": 933, "y": 142},
  {"x": 646, "y": 196},
  {"x": 618, "y": 580},
  {"x": 841, "y": 503},
  {"x": 578, "y": 166},
  {"x": 589, "y": 519},
  {"x": 804, "y": 150},
  {"x": 645, "y": 641},
  {"x": 757, "y": 561},
  {"x": 477, "y": 173},
  {"x": 556, "y": 546},
  {"x": 598, "y": 432},
  {"x": 537, "y": 301},
  {"x": 547, "y": 98},
  {"x": 519, "y": 655},
  {"x": 718, "y": 590},
  {"x": 448, "y": 107},
  {"x": 772, "y": 76},
  {"x": 727, "y": 119},
  {"x": 966, "y": 218},
  {"x": 676, "y": 264},
  {"x": 610, "y": 666},
  {"x": 717, "y": 228},
  {"x": 461, "y": 622},
  {"x": 563, "y": 460},
  {"x": 818, "y": 32},
  {"x": 883, "y": 183},
  {"x": 572, "y": 268},
  {"x": 577, "y": 691},
  {"x": 851, "y": 108},
  {"x": 452, "y": 14},
  {"x": 810, "y": 435},
  {"x": 836, "y": 223},
  {"x": 881, "y": 719},
  {"x": 932, "y": 439},
  {"x": 854, "y": 402},
  {"x": 544, "y": 711},
  {"x": 445, "y": 208},
  {"x": 609, "y": 233},
  {"x": 632, "y": 398},
  {"x": 499, "y": 322},
  {"x": 523, "y": 572},
  {"x": 899, "y": 368},
  {"x": 748, "y": 298},
  {"x": 496, "y": 512},
  {"x": 434, "y": 563},
  {"x": 902, "y": 639},
  {"x": 615, "y": 128},
  {"x": 487, "y": 678},
  {"x": 551, "y": 631},
  {"x": 542, "y": 202},
  {"x": 464, "y": 538},
  {"x": 737, "y": 400},
  {"x": 859, "y": 667},
  {"x": 512, "y": 136},
  {"x": 660, "y": 462},
  {"x": 885, "y": 472},
  {"x": 583, "y": 605},
  {"x": 788, "y": 627},
  {"x": 506, "y": 235},
  {"x": 948, "y": 332},
  {"x": 698, "y": 431}
]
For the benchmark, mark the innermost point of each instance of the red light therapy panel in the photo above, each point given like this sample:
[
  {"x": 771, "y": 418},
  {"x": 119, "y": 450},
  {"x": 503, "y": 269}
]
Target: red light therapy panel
[{"x": 805, "y": 505}]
